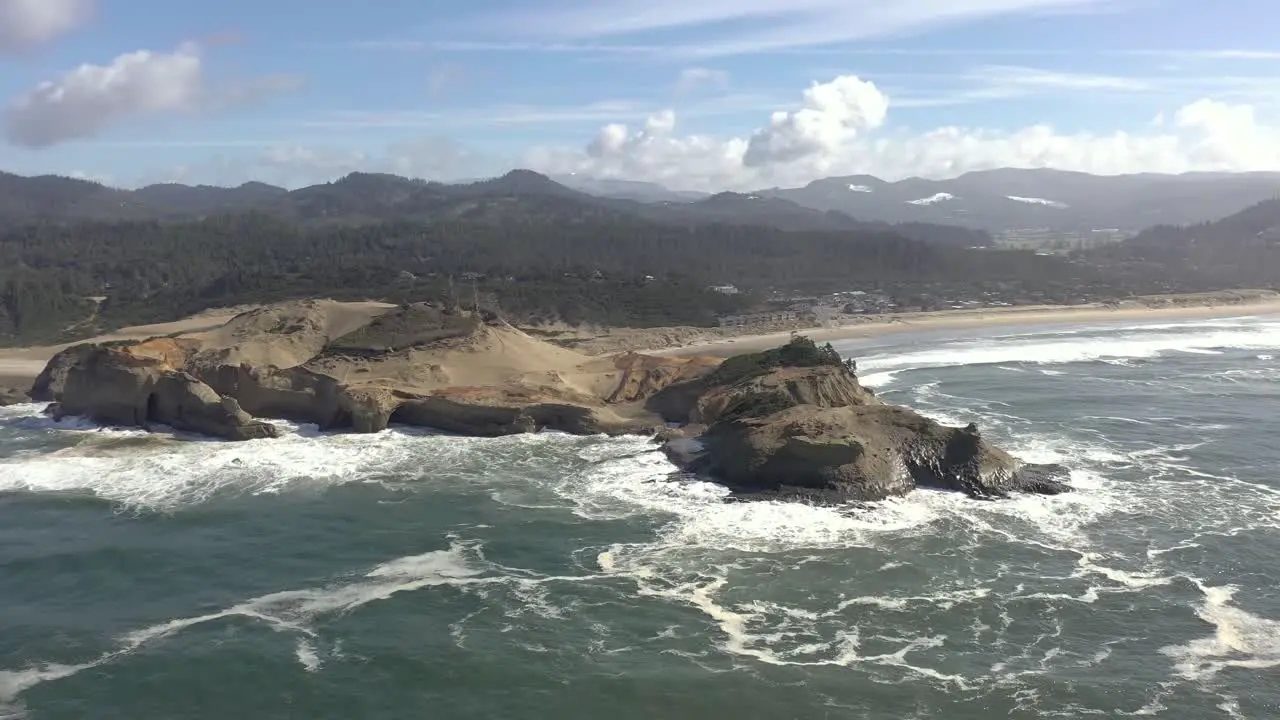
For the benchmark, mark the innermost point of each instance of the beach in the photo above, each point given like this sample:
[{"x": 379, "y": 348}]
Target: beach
[{"x": 1039, "y": 315}]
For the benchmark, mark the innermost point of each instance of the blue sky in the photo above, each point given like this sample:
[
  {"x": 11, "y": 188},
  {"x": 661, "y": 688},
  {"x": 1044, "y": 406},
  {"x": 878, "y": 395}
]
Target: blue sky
[{"x": 293, "y": 92}]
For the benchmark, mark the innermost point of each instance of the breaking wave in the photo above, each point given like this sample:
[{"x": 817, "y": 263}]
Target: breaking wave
[{"x": 1115, "y": 345}]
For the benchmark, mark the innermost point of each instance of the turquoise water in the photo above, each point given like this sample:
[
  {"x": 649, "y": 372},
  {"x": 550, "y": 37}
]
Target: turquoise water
[{"x": 410, "y": 574}]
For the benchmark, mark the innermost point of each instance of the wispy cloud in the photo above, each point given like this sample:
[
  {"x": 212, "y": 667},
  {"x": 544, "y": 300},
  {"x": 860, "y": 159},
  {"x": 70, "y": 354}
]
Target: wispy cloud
[
  {"x": 1036, "y": 78},
  {"x": 735, "y": 27},
  {"x": 490, "y": 46},
  {"x": 696, "y": 78},
  {"x": 989, "y": 83},
  {"x": 1221, "y": 54},
  {"x": 607, "y": 111},
  {"x": 444, "y": 78}
]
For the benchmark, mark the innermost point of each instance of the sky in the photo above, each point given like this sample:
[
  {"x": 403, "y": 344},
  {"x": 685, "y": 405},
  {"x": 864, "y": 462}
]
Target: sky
[{"x": 705, "y": 95}]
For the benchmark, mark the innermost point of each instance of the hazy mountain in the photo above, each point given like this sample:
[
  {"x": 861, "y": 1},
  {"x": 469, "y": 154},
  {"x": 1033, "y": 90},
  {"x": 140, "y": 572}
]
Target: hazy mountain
[
  {"x": 627, "y": 189},
  {"x": 360, "y": 197},
  {"x": 50, "y": 196},
  {"x": 995, "y": 200},
  {"x": 186, "y": 200},
  {"x": 999, "y": 200}
]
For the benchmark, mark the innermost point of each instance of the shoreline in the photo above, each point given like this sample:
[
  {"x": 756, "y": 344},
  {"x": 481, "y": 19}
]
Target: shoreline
[
  {"x": 20, "y": 366},
  {"x": 1041, "y": 315}
]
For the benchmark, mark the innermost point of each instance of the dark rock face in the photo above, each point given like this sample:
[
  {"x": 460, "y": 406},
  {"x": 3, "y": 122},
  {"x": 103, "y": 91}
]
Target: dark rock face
[
  {"x": 816, "y": 433},
  {"x": 496, "y": 420},
  {"x": 116, "y": 386}
]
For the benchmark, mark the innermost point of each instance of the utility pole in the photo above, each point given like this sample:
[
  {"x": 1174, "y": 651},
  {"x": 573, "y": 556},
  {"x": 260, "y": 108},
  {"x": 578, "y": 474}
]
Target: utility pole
[{"x": 475, "y": 298}]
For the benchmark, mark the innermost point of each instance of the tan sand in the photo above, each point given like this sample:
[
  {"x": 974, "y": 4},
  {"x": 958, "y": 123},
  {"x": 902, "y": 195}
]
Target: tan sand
[{"x": 19, "y": 366}]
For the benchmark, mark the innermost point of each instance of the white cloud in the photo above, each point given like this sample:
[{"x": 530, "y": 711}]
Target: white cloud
[
  {"x": 836, "y": 130},
  {"x": 84, "y": 101},
  {"x": 696, "y": 78},
  {"x": 87, "y": 100},
  {"x": 832, "y": 115},
  {"x": 26, "y": 23},
  {"x": 761, "y": 25},
  {"x": 1038, "y": 79}
]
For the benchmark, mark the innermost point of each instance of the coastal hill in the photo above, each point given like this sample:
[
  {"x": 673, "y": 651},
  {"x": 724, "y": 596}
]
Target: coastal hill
[
  {"x": 537, "y": 251},
  {"x": 1241, "y": 250},
  {"x": 541, "y": 254},
  {"x": 792, "y": 422}
]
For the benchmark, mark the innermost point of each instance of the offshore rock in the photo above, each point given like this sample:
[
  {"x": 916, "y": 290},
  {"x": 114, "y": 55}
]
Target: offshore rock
[{"x": 810, "y": 430}]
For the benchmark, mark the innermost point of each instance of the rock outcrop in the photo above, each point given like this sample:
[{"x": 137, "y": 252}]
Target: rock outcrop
[
  {"x": 806, "y": 428},
  {"x": 136, "y": 385}
]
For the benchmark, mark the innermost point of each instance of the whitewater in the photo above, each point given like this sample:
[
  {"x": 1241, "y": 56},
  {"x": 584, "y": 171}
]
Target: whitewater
[{"x": 412, "y": 573}]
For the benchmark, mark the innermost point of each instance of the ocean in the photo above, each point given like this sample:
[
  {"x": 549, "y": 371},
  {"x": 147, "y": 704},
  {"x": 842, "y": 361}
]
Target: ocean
[{"x": 414, "y": 575}]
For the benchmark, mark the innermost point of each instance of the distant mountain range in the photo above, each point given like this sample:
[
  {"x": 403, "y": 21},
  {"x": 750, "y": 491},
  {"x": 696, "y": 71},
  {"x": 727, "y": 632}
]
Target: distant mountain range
[
  {"x": 365, "y": 197},
  {"x": 1009, "y": 199},
  {"x": 992, "y": 201}
]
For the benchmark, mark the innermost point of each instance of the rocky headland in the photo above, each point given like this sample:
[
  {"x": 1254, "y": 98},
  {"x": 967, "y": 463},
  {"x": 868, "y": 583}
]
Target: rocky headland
[{"x": 793, "y": 421}]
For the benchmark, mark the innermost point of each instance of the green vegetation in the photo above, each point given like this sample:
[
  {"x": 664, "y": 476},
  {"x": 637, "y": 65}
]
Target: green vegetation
[
  {"x": 406, "y": 327},
  {"x": 77, "y": 258},
  {"x": 544, "y": 263},
  {"x": 800, "y": 352}
]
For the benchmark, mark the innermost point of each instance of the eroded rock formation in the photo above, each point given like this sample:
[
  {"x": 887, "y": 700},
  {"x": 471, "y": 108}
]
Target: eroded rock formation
[
  {"x": 793, "y": 421},
  {"x": 801, "y": 425},
  {"x": 139, "y": 385}
]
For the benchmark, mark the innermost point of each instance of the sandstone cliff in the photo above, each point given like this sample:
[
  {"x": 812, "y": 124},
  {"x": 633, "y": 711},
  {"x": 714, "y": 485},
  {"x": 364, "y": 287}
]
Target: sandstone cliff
[
  {"x": 362, "y": 367},
  {"x": 142, "y": 385}
]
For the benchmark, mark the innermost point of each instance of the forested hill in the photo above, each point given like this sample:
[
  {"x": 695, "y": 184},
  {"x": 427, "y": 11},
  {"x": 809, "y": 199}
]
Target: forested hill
[
  {"x": 549, "y": 259},
  {"x": 367, "y": 197},
  {"x": 537, "y": 250},
  {"x": 1242, "y": 250}
]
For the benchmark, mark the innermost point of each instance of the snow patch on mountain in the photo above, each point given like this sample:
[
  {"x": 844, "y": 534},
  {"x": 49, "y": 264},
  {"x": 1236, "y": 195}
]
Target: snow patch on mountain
[
  {"x": 1037, "y": 201},
  {"x": 860, "y": 188},
  {"x": 933, "y": 199}
]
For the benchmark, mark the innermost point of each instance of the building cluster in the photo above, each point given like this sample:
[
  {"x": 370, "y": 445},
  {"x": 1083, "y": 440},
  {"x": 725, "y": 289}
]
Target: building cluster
[{"x": 756, "y": 319}]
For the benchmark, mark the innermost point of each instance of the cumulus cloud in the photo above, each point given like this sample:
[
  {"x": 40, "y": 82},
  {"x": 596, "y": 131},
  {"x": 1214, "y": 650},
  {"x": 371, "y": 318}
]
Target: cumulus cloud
[
  {"x": 842, "y": 127},
  {"x": 84, "y": 101},
  {"x": 87, "y": 100},
  {"x": 832, "y": 115},
  {"x": 652, "y": 152},
  {"x": 26, "y": 23}
]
